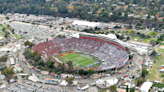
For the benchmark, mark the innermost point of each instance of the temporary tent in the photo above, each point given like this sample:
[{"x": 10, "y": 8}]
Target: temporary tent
[
  {"x": 44, "y": 72},
  {"x": 85, "y": 23},
  {"x": 130, "y": 85},
  {"x": 146, "y": 87},
  {"x": 112, "y": 81},
  {"x": 52, "y": 74},
  {"x": 64, "y": 83},
  {"x": 85, "y": 87},
  {"x": 33, "y": 78},
  {"x": 74, "y": 83},
  {"x": 3, "y": 86},
  {"x": 12, "y": 80},
  {"x": 109, "y": 82},
  {"x": 2, "y": 76}
]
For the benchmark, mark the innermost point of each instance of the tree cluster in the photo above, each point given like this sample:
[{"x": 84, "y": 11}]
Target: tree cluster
[
  {"x": 30, "y": 44},
  {"x": 8, "y": 72},
  {"x": 34, "y": 57},
  {"x": 3, "y": 58}
]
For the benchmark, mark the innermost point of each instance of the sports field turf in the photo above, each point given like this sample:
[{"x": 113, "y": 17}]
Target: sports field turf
[{"x": 78, "y": 59}]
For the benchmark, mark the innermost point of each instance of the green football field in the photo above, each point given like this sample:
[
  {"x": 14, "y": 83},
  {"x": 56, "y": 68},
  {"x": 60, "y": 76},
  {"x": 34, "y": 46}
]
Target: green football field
[{"x": 78, "y": 59}]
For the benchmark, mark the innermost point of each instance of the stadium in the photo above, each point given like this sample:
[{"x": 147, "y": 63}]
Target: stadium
[{"x": 101, "y": 52}]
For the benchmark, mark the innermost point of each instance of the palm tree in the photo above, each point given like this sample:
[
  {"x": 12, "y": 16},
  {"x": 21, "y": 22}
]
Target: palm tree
[
  {"x": 78, "y": 68},
  {"x": 105, "y": 83},
  {"x": 113, "y": 88}
]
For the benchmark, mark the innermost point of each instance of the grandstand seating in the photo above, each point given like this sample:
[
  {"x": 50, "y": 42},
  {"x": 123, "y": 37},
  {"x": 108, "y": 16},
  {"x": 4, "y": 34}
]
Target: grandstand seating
[{"x": 109, "y": 52}]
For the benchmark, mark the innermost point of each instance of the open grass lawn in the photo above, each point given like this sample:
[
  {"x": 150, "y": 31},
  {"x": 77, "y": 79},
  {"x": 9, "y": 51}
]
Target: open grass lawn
[
  {"x": 3, "y": 26},
  {"x": 16, "y": 36},
  {"x": 153, "y": 34},
  {"x": 148, "y": 40},
  {"x": 154, "y": 73},
  {"x": 138, "y": 38},
  {"x": 78, "y": 59},
  {"x": 129, "y": 30},
  {"x": 1, "y": 33}
]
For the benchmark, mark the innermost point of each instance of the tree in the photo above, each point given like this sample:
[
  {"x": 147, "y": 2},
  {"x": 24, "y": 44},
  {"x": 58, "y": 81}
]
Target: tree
[
  {"x": 34, "y": 53},
  {"x": 7, "y": 18},
  {"x": 8, "y": 71},
  {"x": 50, "y": 26},
  {"x": 15, "y": 77},
  {"x": 7, "y": 34},
  {"x": 27, "y": 43},
  {"x": 50, "y": 64},
  {"x": 90, "y": 71},
  {"x": 70, "y": 80},
  {"x": 12, "y": 31},
  {"x": 70, "y": 66},
  {"x": 127, "y": 89},
  {"x": 144, "y": 72},
  {"x": 132, "y": 89},
  {"x": 63, "y": 67},
  {"x": 68, "y": 27},
  {"x": 148, "y": 16},
  {"x": 128, "y": 38},
  {"x": 152, "y": 42},
  {"x": 27, "y": 53},
  {"x": 154, "y": 53},
  {"x": 37, "y": 58},
  {"x": 3, "y": 29},
  {"x": 116, "y": 27},
  {"x": 137, "y": 81},
  {"x": 113, "y": 88},
  {"x": 49, "y": 58},
  {"x": 40, "y": 62},
  {"x": 3, "y": 58},
  {"x": 130, "y": 26},
  {"x": 78, "y": 68}
]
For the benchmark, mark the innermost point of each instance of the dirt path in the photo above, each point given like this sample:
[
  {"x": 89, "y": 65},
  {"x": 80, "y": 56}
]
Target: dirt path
[
  {"x": 139, "y": 42},
  {"x": 162, "y": 47}
]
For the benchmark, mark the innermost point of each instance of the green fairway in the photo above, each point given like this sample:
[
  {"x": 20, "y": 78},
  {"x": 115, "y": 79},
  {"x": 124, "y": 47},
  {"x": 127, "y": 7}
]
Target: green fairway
[{"x": 78, "y": 59}]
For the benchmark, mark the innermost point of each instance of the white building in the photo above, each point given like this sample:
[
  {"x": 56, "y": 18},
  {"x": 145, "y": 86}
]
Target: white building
[
  {"x": 146, "y": 87},
  {"x": 108, "y": 82},
  {"x": 11, "y": 61},
  {"x": 86, "y": 23},
  {"x": 64, "y": 83},
  {"x": 33, "y": 78}
]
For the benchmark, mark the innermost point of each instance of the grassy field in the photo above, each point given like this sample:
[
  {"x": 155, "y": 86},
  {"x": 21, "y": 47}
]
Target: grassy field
[
  {"x": 138, "y": 38},
  {"x": 78, "y": 59},
  {"x": 154, "y": 73},
  {"x": 3, "y": 26},
  {"x": 148, "y": 40},
  {"x": 153, "y": 34},
  {"x": 129, "y": 30},
  {"x": 16, "y": 36}
]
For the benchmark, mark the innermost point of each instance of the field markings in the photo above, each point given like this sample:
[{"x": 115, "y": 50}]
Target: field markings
[{"x": 84, "y": 61}]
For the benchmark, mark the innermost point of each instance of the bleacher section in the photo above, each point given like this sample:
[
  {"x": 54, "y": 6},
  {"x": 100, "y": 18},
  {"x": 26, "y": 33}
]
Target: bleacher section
[{"x": 109, "y": 52}]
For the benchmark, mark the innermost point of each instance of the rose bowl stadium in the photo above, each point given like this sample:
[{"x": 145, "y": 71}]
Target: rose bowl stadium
[{"x": 101, "y": 52}]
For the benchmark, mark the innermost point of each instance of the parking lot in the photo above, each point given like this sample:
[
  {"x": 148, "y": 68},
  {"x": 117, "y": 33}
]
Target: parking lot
[{"x": 29, "y": 86}]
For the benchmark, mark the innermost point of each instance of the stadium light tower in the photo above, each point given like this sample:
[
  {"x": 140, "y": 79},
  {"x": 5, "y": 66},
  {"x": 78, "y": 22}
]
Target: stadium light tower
[{"x": 116, "y": 67}]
